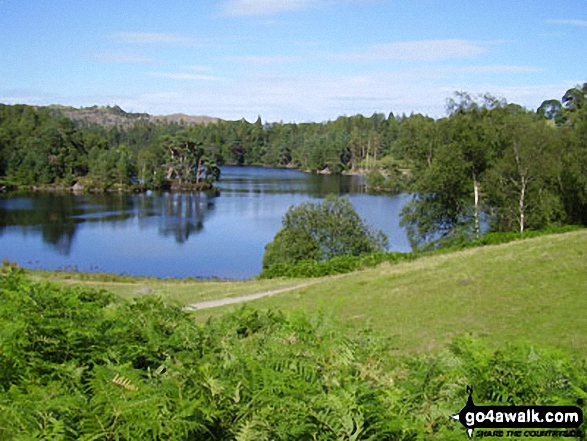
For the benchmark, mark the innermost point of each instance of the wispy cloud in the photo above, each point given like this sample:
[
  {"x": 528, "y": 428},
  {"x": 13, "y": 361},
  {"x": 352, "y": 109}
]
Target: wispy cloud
[
  {"x": 150, "y": 38},
  {"x": 264, "y": 59},
  {"x": 185, "y": 76},
  {"x": 579, "y": 23},
  {"x": 198, "y": 68},
  {"x": 423, "y": 50},
  {"x": 265, "y": 7},
  {"x": 272, "y": 7},
  {"x": 494, "y": 69},
  {"x": 121, "y": 57}
]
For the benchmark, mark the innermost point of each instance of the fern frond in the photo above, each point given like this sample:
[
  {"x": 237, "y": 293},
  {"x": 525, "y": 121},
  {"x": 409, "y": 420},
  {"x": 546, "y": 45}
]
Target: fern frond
[{"x": 123, "y": 382}]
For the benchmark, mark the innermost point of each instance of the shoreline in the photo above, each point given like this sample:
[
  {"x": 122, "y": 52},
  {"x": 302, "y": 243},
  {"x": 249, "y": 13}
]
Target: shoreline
[
  {"x": 79, "y": 187},
  {"x": 79, "y": 190}
]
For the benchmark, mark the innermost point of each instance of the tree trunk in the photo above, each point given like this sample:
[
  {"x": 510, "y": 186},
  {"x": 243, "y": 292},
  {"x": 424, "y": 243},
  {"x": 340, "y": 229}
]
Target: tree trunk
[
  {"x": 522, "y": 205},
  {"x": 476, "y": 193},
  {"x": 198, "y": 172}
]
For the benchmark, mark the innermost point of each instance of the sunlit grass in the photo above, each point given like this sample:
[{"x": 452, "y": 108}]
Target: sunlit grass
[
  {"x": 534, "y": 290},
  {"x": 182, "y": 291}
]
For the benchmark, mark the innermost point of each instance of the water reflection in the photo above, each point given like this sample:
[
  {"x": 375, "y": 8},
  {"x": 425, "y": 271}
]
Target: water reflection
[
  {"x": 56, "y": 217},
  {"x": 184, "y": 214},
  {"x": 221, "y": 233},
  {"x": 284, "y": 181},
  {"x": 49, "y": 215}
]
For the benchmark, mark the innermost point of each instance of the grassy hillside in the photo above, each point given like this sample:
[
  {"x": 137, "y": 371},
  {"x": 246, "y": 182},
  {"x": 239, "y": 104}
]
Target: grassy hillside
[
  {"x": 534, "y": 290},
  {"x": 76, "y": 363}
]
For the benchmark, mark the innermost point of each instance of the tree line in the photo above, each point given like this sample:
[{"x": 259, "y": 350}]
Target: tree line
[
  {"x": 39, "y": 146},
  {"x": 486, "y": 165},
  {"x": 497, "y": 166}
]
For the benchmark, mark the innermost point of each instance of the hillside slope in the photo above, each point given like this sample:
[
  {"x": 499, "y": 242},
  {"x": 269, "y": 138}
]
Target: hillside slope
[
  {"x": 534, "y": 290},
  {"x": 115, "y": 116}
]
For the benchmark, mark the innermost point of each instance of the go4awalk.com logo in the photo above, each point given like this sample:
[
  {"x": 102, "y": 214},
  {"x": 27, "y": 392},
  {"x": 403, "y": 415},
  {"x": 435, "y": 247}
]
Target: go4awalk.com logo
[{"x": 520, "y": 421}]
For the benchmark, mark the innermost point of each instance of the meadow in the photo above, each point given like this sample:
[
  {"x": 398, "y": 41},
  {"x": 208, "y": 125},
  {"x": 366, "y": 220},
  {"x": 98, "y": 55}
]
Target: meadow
[
  {"x": 386, "y": 353},
  {"x": 531, "y": 290}
]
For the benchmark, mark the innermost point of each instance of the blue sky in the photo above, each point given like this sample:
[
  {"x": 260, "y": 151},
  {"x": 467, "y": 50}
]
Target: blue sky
[{"x": 288, "y": 60}]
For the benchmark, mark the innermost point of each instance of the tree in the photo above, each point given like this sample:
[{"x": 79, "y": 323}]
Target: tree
[
  {"x": 321, "y": 231},
  {"x": 472, "y": 132},
  {"x": 441, "y": 209},
  {"x": 149, "y": 166},
  {"x": 184, "y": 158},
  {"x": 417, "y": 140},
  {"x": 523, "y": 184},
  {"x": 574, "y": 170},
  {"x": 551, "y": 110}
]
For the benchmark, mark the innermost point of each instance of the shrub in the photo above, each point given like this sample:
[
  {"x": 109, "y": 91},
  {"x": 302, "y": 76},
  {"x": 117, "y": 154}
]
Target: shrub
[
  {"x": 348, "y": 263},
  {"x": 336, "y": 265},
  {"x": 322, "y": 231}
]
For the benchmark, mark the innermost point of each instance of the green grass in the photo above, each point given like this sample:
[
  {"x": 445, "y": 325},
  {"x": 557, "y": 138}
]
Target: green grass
[
  {"x": 534, "y": 290},
  {"x": 182, "y": 291}
]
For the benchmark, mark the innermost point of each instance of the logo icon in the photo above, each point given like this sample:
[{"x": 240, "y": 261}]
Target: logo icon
[{"x": 517, "y": 417}]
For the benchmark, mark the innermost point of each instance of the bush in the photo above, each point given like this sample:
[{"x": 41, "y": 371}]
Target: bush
[
  {"x": 346, "y": 264},
  {"x": 336, "y": 265},
  {"x": 393, "y": 182},
  {"x": 322, "y": 231}
]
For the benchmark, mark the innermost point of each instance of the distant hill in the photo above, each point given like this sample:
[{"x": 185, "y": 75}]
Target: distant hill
[
  {"x": 114, "y": 116},
  {"x": 182, "y": 118}
]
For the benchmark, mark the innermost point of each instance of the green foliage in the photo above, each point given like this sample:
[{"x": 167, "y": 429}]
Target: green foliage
[
  {"x": 522, "y": 184},
  {"x": 517, "y": 374},
  {"x": 336, "y": 265},
  {"x": 77, "y": 364},
  {"x": 495, "y": 238},
  {"x": 393, "y": 181},
  {"x": 487, "y": 164},
  {"x": 321, "y": 231},
  {"x": 349, "y": 263},
  {"x": 496, "y": 164},
  {"x": 291, "y": 246}
]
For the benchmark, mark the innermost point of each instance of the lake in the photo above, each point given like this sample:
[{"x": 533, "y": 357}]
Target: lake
[{"x": 216, "y": 234}]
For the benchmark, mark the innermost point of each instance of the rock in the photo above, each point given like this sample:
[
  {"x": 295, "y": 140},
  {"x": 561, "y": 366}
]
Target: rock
[{"x": 77, "y": 188}]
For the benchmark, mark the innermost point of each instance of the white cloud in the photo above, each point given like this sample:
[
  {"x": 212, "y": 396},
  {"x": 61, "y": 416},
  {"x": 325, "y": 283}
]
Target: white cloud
[
  {"x": 579, "y": 23},
  {"x": 494, "y": 69},
  {"x": 531, "y": 95},
  {"x": 423, "y": 50},
  {"x": 150, "y": 38},
  {"x": 294, "y": 96},
  {"x": 121, "y": 57},
  {"x": 199, "y": 68},
  {"x": 265, "y": 7},
  {"x": 264, "y": 59},
  {"x": 271, "y": 7},
  {"x": 185, "y": 76},
  {"x": 304, "y": 98}
]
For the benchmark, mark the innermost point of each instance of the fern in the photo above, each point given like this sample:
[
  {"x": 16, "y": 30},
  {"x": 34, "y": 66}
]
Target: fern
[
  {"x": 125, "y": 383},
  {"x": 77, "y": 365}
]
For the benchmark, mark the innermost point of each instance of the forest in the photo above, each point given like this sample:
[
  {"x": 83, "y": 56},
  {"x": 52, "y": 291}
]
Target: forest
[{"x": 487, "y": 165}]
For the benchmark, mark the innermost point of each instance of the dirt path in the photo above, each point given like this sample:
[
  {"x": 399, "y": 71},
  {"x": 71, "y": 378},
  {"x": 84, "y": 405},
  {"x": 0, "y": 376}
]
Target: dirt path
[{"x": 247, "y": 298}]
